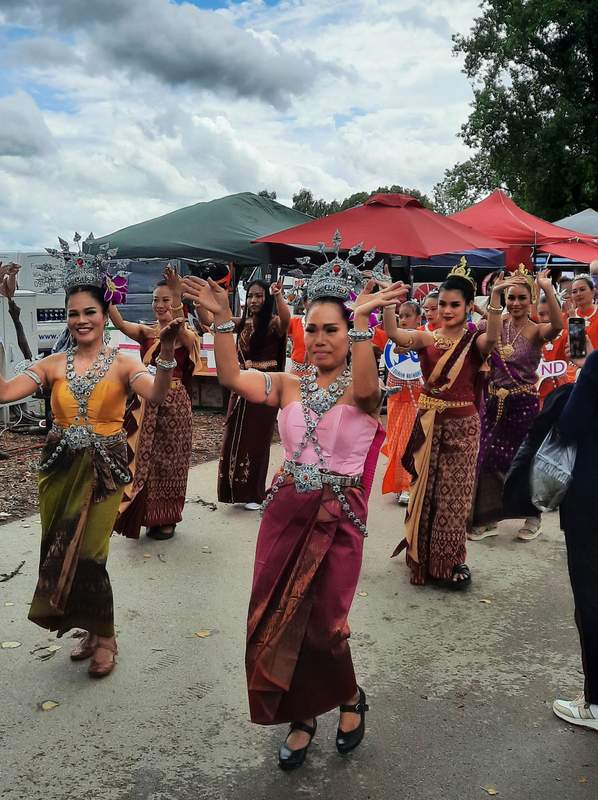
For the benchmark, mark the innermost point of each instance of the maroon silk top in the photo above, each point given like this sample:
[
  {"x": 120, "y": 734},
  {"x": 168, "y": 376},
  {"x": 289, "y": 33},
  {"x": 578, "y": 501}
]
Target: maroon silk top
[{"x": 465, "y": 387}]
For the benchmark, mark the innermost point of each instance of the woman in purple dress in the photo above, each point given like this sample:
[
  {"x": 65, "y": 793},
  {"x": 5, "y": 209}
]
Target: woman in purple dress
[{"x": 512, "y": 402}]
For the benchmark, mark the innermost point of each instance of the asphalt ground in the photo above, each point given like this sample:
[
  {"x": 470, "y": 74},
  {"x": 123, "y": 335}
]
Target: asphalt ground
[{"x": 460, "y": 684}]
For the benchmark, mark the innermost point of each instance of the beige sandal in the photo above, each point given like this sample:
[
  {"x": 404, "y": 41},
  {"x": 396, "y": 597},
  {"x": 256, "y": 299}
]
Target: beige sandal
[
  {"x": 530, "y": 530},
  {"x": 97, "y": 670},
  {"x": 480, "y": 532},
  {"x": 85, "y": 649}
]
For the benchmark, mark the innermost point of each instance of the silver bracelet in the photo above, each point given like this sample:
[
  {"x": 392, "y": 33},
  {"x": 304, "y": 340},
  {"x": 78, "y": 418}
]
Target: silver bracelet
[
  {"x": 137, "y": 375},
  {"x": 225, "y": 327},
  {"x": 165, "y": 364},
  {"x": 33, "y": 375},
  {"x": 360, "y": 336}
]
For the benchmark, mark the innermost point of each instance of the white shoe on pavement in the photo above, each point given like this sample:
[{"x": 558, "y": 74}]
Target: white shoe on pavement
[
  {"x": 577, "y": 712},
  {"x": 403, "y": 499},
  {"x": 252, "y": 506}
]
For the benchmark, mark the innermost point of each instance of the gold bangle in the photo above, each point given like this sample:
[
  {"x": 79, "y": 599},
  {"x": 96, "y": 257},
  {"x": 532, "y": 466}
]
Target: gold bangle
[{"x": 494, "y": 309}]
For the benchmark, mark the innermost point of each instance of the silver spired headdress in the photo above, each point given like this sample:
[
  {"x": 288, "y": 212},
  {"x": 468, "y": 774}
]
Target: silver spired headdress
[
  {"x": 80, "y": 268},
  {"x": 340, "y": 277}
]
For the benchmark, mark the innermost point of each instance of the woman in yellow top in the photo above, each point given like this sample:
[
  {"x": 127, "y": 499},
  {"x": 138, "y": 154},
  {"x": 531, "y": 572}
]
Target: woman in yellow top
[{"x": 84, "y": 468}]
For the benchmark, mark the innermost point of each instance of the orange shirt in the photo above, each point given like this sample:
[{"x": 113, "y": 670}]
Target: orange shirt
[
  {"x": 380, "y": 337},
  {"x": 555, "y": 351},
  {"x": 297, "y": 336},
  {"x": 591, "y": 324}
]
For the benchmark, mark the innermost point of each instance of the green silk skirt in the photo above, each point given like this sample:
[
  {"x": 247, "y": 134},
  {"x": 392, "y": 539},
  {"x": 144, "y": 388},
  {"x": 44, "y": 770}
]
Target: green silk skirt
[{"x": 73, "y": 588}]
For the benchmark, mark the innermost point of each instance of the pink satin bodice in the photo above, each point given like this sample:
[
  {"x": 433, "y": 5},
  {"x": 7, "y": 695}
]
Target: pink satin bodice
[{"x": 345, "y": 434}]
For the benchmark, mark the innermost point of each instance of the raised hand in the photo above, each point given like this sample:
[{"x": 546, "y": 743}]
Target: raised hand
[
  {"x": 392, "y": 295},
  {"x": 169, "y": 332},
  {"x": 206, "y": 294},
  {"x": 365, "y": 294},
  {"x": 173, "y": 279},
  {"x": 544, "y": 282},
  {"x": 276, "y": 288},
  {"x": 8, "y": 279}
]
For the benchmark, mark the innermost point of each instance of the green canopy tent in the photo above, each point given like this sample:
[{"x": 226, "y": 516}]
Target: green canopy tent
[{"x": 221, "y": 230}]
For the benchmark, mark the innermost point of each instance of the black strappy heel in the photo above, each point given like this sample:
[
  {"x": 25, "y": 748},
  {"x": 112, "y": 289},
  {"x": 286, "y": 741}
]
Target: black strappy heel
[
  {"x": 345, "y": 742},
  {"x": 291, "y": 759}
]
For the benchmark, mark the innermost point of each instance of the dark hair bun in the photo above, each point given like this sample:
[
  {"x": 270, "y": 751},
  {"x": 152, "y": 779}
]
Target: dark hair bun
[{"x": 455, "y": 283}]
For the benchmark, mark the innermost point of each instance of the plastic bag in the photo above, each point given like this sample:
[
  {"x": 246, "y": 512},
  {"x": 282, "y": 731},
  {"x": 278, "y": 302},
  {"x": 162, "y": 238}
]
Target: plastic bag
[{"x": 551, "y": 471}]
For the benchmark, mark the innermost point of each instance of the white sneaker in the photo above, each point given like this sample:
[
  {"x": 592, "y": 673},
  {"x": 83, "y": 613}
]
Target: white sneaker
[
  {"x": 252, "y": 506},
  {"x": 403, "y": 499},
  {"x": 577, "y": 712}
]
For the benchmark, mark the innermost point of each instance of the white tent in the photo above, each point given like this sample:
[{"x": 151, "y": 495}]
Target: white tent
[{"x": 584, "y": 222}]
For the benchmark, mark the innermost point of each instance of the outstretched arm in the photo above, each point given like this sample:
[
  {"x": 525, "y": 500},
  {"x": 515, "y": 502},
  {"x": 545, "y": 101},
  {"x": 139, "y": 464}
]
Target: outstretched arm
[
  {"x": 549, "y": 330},
  {"x": 366, "y": 384},
  {"x": 26, "y": 384},
  {"x": 257, "y": 387},
  {"x": 155, "y": 388},
  {"x": 486, "y": 342},
  {"x": 131, "y": 329}
]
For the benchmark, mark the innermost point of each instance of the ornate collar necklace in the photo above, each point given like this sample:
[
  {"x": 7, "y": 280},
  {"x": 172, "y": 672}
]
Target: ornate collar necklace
[
  {"x": 589, "y": 316},
  {"x": 445, "y": 342},
  {"x": 82, "y": 386},
  {"x": 319, "y": 399}
]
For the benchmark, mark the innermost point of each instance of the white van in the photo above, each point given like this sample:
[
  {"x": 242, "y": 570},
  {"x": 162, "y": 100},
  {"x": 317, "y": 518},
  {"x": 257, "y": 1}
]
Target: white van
[{"x": 42, "y": 274}]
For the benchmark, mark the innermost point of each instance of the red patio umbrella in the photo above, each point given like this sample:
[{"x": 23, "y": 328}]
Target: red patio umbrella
[
  {"x": 394, "y": 224},
  {"x": 497, "y": 215}
]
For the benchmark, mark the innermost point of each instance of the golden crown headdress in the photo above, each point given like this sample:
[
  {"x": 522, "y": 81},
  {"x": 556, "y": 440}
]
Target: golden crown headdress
[
  {"x": 524, "y": 273},
  {"x": 462, "y": 271}
]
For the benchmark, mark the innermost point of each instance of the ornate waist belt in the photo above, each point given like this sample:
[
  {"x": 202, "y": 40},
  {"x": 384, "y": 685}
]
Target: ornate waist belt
[
  {"x": 78, "y": 437},
  {"x": 437, "y": 404},
  {"x": 310, "y": 478},
  {"x": 83, "y": 437},
  {"x": 501, "y": 392}
]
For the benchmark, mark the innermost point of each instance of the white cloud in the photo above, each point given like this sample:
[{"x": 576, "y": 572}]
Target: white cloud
[{"x": 117, "y": 123}]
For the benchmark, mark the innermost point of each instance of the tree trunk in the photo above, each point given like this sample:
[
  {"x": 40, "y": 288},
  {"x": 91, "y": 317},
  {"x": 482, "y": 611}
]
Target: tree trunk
[{"x": 15, "y": 313}]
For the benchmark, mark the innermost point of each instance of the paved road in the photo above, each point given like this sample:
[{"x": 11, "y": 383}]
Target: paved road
[{"x": 460, "y": 685}]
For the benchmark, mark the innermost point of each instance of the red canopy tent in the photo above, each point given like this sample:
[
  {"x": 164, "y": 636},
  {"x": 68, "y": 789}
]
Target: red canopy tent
[
  {"x": 395, "y": 224},
  {"x": 500, "y": 217}
]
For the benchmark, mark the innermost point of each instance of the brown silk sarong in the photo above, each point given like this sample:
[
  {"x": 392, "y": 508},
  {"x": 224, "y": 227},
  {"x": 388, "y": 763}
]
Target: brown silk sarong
[
  {"x": 447, "y": 498},
  {"x": 160, "y": 440},
  {"x": 308, "y": 560},
  {"x": 245, "y": 455}
]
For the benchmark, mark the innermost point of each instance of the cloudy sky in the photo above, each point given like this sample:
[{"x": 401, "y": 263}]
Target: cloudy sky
[{"x": 114, "y": 111}]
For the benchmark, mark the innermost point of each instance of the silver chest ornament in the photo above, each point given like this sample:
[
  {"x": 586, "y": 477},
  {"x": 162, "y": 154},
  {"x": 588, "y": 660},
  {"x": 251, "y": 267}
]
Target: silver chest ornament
[{"x": 315, "y": 402}]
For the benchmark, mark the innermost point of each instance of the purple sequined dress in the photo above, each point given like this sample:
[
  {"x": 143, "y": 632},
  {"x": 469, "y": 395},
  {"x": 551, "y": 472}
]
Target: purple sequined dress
[{"x": 511, "y": 405}]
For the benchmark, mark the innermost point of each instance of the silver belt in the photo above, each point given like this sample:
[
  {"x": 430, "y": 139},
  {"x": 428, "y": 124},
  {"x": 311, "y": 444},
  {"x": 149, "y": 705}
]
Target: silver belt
[
  {"x": 310, "y": 478},
  {"x": 81, "y": 437},
  {"x": 78, "y": 437}
]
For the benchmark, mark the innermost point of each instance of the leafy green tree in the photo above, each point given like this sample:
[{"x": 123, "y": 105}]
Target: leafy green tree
[
  {"x": 267, "y": 194},
  {"x": 464, "y": 184},
  {"x": 305, "y": 201},
  {"x": 534, "y": 69}
]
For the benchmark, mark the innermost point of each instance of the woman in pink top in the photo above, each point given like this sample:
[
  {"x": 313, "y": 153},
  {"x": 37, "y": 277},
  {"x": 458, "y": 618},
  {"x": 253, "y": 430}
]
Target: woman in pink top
[{"x": 310, "y": 542}]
